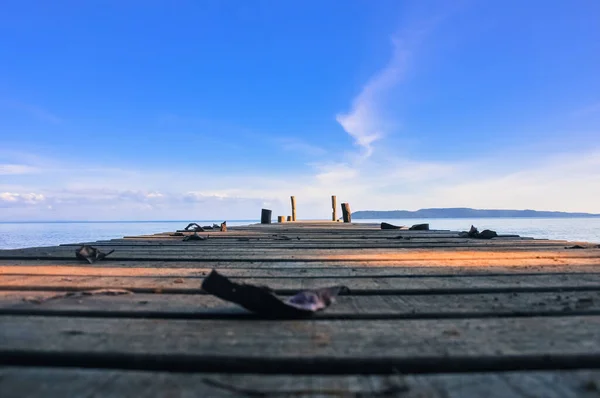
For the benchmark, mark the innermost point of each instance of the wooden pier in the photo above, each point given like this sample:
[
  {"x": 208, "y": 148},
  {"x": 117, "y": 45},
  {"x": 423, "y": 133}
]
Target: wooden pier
[{"x": 429, "y": 314}]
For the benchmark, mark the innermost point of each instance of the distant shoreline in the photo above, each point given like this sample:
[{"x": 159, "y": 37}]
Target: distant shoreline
[
  {"x": 466, "y": 213},
  {"x": 118, "y": 221}
]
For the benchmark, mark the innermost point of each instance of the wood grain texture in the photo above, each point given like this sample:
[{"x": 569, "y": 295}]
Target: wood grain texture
[
  {"x": 357, "y": 285},
  {"x": 65, "y": 268},
  {"x": 313, "y": 346},
  {"x": 346, "y": 307},
  {"x": 16, "y": 382},
  {"x": 422, "y": 303},
  {"x": 496, "y": 264},
  {"x": 483, "y": 256}
]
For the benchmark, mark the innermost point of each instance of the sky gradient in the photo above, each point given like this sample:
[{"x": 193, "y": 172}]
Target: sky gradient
[{"x": 155, "y": 110}]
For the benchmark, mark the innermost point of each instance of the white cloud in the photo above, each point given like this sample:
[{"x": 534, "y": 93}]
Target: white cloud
[
  {"x": 13, "y": 169},
  {"x": 365, "y": 122},
  {"x": 10, "y": 199},
  {"x": 300, "y": 146},
  {"x": 559, "y": 182}
]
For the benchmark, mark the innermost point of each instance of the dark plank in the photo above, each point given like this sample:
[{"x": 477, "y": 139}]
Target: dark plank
[
  {"x": 315, "y": 255},
  {"x": 346, "y": 307},
  {"x": 199, "y": 249},
  {"x": 357, "y": 285},
  {"x": 313, "y": 346},
  {"x": 314, "y": 241},
  {"x": 285, "y": 246},
  {"x": 61, "y": 382}
]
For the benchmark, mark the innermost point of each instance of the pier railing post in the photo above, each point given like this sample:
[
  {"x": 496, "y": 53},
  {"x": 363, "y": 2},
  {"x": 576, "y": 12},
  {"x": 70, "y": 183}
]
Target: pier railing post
[
  {"x": 334, "y": 207},
  {"x": 293, "y": 198},
  {"x": 346, "y": 213},
  {"x": 265, "y": 216}
]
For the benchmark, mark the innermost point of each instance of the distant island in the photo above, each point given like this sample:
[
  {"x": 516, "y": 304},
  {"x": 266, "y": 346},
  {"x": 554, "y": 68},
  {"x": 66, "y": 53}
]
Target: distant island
[{"x": 464, "y": 212}]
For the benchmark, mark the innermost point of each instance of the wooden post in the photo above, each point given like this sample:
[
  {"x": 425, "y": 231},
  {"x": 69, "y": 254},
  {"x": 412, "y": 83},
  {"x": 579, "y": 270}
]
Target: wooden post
[
  {"x": 289, "y": 218},
  {"x": 293, "y": 208},
  {"x": 346, "y": 213},
  {"x": 280, "y": 218},
  {"x": 334, "y": 207},
  {"x": 265, "y": 216}
]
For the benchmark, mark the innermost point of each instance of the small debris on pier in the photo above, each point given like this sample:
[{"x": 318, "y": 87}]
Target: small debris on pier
[
  {"x": 574, "y": 247},
  {"x": 96, "y": 292},
  {"x": 224, "y": 226},
  {"x": 385, "y": 225},
  {"x": 475, "y": 234},
  {"x": 281, "y": 237},
  {"x": 262, "y": 301},
  {"x": 197, "y": 228},
  {"x": 195, "y": 236},
  {"x": 90, "y": 254}
]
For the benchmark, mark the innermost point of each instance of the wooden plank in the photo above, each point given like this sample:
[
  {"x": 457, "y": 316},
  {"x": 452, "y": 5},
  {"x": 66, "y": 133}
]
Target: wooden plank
[
  {"x": 475, "y": 264},
  {"x": 272, "y": 238},
  {"x": 307, "y": 346},
  {"x": 317, "y": 255},
  {"x": 275, "y": 271},
  {"x": 19, "y": 382},
  {"x": 357, "y": 285},
  {"x": 317, "y": 244},
  {"x": 346, "y": 307},
  {"x": 306, "y": 235},
  {"x": 291, "y": 247}
]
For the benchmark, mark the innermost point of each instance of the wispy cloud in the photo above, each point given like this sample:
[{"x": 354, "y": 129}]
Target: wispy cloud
[
  {"x": 364, "y": 121},
  {"x": 300, "y": 146},
  {"x": 10, "y": 199},
  {"x": 15, "y": 169},
  {"x": 367, "y": 120},
  {"x": 558, "y": 182}
]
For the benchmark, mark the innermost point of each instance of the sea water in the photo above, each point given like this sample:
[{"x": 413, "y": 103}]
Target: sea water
[{"x": 15, "y": 235}]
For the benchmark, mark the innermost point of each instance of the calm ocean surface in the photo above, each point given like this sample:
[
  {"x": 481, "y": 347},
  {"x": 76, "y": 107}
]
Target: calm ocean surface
[{"x": 17, "y": 235}]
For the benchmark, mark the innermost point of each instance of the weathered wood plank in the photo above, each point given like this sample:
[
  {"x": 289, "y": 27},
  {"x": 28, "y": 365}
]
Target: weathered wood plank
[
  {"x": 314, "y": 346},
  {"x": 53, "y": 382},
  {"x": 346, "y": 307},
  {"x": 275, "y": 271},
  {"x": 210, "y": 244},
  {"x": 227, "y": 236},
  {"x": 18, "y": 382},
  {"x": 291, "y": 248},
  {"x": 357, "y": 285},
  {"x": 251, "y": 244},
  {"x": 476, "y": 264},
  {"x": 317, "y": 255},
  {"x": 336, "y": 237}
]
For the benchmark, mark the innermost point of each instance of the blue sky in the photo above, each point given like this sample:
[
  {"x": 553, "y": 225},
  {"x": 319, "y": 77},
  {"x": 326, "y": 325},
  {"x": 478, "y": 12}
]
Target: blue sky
[{"x": 115, "y": 110}]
